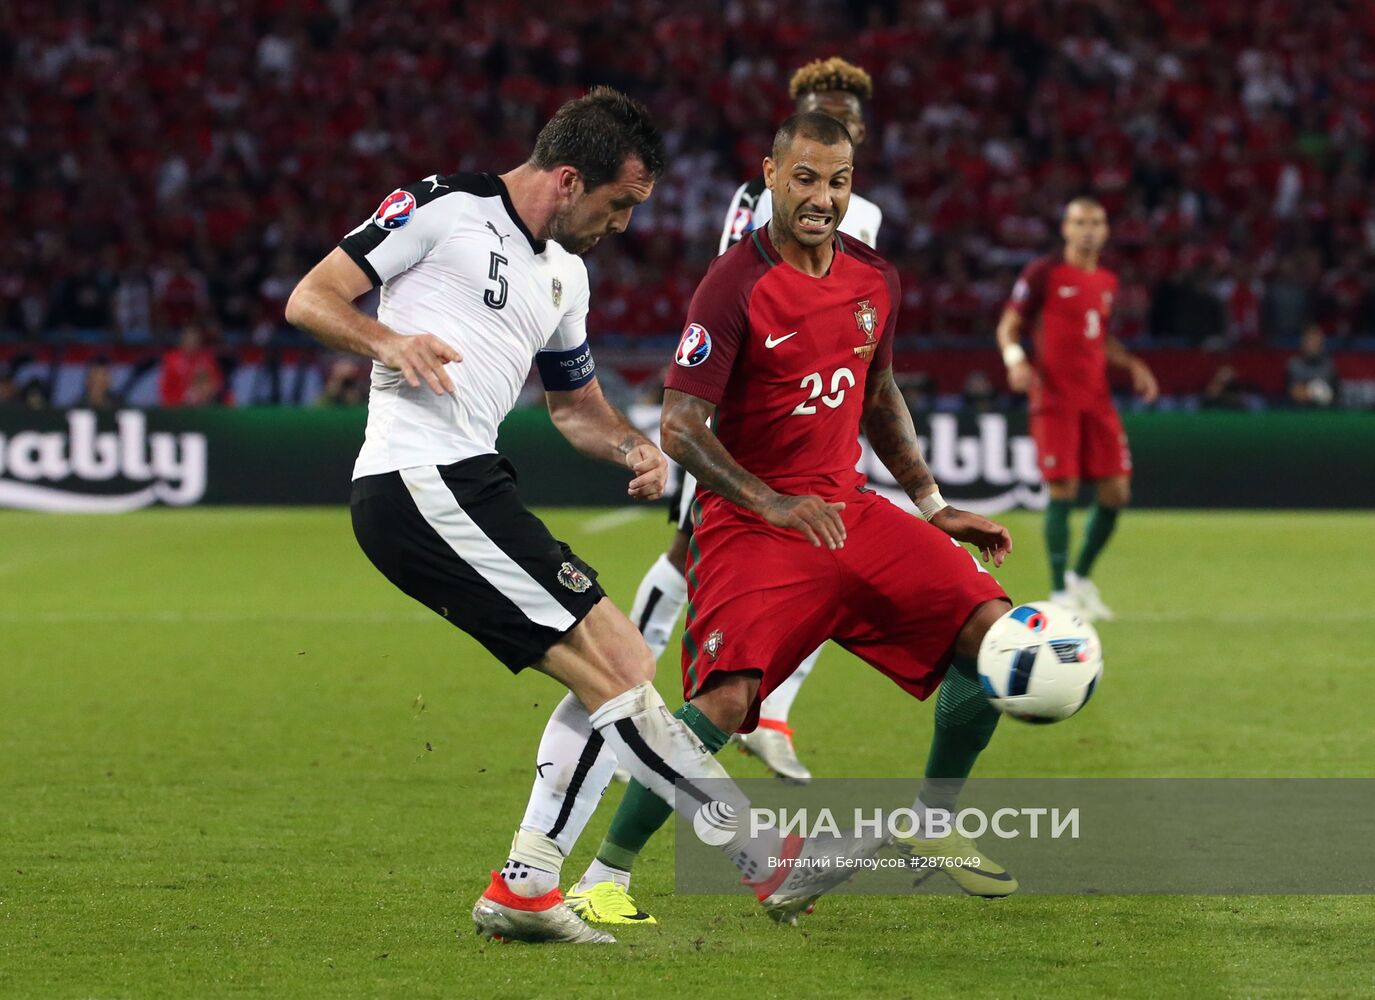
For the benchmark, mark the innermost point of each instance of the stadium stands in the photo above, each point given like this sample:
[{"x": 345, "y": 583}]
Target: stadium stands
[{"x": 181, "y": 163}]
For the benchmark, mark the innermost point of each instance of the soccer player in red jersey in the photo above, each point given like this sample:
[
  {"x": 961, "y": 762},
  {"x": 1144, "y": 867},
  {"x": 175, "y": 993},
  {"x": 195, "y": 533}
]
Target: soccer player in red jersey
[
  {"x": 1066, "y": 299},
  {"x": 788, "y": 352}
]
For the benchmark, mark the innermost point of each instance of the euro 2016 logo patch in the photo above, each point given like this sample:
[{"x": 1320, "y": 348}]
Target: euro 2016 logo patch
[
  {"x": 395, "y": 211},
  {"x": 695, "y": 347},
  {"x": 574, "y": 579}
]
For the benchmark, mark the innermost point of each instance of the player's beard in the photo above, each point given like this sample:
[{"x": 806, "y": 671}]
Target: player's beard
[{"x": 561, "y": 232}]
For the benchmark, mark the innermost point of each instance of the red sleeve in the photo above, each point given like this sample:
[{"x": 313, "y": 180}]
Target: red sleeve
[
  {"x": 717, "y": 321},
  {"x": 1029, "y": 294},
  {"x": 883, "y": 357}
]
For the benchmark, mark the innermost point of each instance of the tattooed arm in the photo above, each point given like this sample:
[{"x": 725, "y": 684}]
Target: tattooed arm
[
  {"x": 693, "y": 445},
  {"x": 598, "y": 430},
  {"x": 887, "y": 423}
]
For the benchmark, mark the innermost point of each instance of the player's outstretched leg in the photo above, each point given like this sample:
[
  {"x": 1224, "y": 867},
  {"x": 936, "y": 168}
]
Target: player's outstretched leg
[
  {"x": 772, "y": 742},
  {"x": 1113, "y": 494},
  {"x": 605, "y": 664},
  {"x": 602, "y": 895},
  {"x": 964, "y": 724},
  {"x": 785, "y": 890}
]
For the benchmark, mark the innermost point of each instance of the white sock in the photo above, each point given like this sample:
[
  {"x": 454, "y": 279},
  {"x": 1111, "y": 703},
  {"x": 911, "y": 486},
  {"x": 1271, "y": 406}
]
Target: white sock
[
  {"x": 598, "y": 872},
  {"x": 666, "y": 757},
  {"x": 572, "y": 769},
  {"x": 658, "y": 602},
  {"x": 532, "y": 870},
  {"x": 780, "y": 700}
]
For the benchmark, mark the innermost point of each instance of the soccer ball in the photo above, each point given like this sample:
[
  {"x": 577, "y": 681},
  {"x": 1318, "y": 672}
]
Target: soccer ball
[{"x": 1040, "y": 662}]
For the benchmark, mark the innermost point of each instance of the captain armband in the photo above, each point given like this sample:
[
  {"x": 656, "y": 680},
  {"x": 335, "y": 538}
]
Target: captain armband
[{"x": 561, "y": 371}]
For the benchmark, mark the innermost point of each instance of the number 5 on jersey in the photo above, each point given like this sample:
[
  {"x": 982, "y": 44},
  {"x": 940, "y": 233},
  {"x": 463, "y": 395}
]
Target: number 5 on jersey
[
  {"x": 841, "y": 379},
  {"x": 496, "y": 299}
]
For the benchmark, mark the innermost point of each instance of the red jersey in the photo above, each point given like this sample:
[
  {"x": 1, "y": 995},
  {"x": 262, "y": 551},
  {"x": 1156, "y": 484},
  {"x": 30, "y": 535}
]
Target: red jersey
[
  {"x": 1068, "y": 309},
  {"x": 785, "y": 358}
]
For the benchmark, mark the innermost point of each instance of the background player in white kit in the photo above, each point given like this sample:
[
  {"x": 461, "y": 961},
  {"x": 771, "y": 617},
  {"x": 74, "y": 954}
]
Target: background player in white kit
[
  {"x": 839, "y": 89},
  {"x": 479, "y": 277}
]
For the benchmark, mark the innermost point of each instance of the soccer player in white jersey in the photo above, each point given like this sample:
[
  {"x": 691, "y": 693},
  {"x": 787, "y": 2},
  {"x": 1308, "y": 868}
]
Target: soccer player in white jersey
[
  {"x": 839, "y": 89},
  {"x": 480, "y": 277}
]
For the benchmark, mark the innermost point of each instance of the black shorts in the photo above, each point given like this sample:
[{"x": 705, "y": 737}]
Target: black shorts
[{"x": 458, "y": 539}]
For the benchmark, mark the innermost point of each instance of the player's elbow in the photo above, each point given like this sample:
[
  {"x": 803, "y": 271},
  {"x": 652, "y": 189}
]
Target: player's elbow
[
  {"x": 297, "y": 310},
  {"x": 673, "y": 435}
]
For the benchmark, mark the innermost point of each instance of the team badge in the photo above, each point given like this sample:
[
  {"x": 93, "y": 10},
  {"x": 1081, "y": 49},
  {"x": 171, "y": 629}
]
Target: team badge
[
  {"x": 866, "y": 318},
  {"x": 714, "y": 643},
  {"x": 695, "y": 347},
  {"x": 395, "y": 211},
  {"x": 574, "y": 579},
  {"x": 556, "y": 291}
]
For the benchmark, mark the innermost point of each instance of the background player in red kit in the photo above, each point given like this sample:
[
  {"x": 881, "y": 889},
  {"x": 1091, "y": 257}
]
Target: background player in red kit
[
  {"x": 1067, "y": 299},
  {"x": 788, "y": 351}
]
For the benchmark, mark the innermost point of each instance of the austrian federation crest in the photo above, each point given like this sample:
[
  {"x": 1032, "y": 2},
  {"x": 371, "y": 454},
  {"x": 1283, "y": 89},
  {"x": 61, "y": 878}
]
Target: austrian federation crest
[
  {"x": 556, "y": 290},
  {"x": 574, "y": 579},
  {"x": 866, "y": 318},
  {"x": 714, "y": 643}
]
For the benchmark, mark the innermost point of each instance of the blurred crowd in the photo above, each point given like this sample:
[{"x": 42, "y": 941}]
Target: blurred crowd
[{"x": 180, "y": 163}]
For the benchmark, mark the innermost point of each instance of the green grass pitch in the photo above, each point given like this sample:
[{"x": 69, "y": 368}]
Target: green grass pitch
[{"x": 234, "y": 762}]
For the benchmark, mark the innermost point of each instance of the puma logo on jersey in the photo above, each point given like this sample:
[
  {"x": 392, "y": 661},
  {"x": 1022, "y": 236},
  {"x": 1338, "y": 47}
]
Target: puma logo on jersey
[
  {"x": 1066, "y": 291},
  {"x": 435, "y": 184},
  {"x": 771, "y": 341},
  {"x": 499, "y": 236}
]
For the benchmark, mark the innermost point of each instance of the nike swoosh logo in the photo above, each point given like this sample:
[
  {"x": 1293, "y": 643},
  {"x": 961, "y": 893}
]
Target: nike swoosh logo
[{"x": 771, "y": 342}]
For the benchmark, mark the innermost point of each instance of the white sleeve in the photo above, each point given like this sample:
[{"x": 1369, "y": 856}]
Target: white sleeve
[
  {"x": 572, "y": 329},
  {"x": 401, "y": 233},
  {"x": 566, "y": 361},
  {"x": 763, "y": 210}
]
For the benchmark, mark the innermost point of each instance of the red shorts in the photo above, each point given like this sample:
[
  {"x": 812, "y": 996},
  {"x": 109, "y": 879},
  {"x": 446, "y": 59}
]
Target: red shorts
[
  {"x": 762, "y": 598},
  {"x": 1074, "y": 443}
]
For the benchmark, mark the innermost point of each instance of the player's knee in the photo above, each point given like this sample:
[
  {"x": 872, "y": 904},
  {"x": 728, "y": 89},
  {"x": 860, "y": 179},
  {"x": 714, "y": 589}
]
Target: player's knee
[
  {"x": 728, "y": 701},
  {"x": 1115, "y": 492},
  {"x": 971, "y": 637},
  {"x": 1063, "y": 489}
]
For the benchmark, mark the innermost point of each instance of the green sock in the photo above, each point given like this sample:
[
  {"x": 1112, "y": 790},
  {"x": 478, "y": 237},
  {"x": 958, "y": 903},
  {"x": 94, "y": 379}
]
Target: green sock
[
  {"x": 641, "y": 812},
  {"x": 964, "y": 724},
  {"x": 1102, "y": 521},
  {"x": 1057, "y": 540}
]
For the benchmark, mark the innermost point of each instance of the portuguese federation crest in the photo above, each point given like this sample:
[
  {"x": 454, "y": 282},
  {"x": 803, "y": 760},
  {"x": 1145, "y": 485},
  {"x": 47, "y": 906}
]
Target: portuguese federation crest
[
  {"x": 866, "y": 318},
  {"x": 574, "y": 579},
  {"x": 714, "y": 643}
]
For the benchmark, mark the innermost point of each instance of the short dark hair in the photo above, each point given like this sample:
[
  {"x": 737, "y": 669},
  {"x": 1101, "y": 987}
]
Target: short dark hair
[
  {"x": 596, "y": 133},
  {"x": 814, "y": 125}
]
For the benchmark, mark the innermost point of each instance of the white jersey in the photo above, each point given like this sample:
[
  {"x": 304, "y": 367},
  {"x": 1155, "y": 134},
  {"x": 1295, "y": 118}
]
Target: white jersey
[
  {"x": 752, "y": 207},
  {"x": 454, "y": 260}
]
